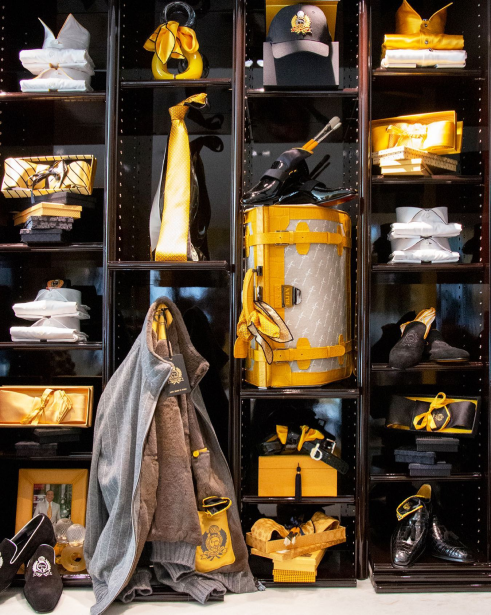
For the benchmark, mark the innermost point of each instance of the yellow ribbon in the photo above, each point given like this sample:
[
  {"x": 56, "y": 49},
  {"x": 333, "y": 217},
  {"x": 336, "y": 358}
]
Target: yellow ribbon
[
  {"x": 258, "y": 320},
  {"x": 170, "y": 40},
  {"x": 60, "y": 399},
  {"x": 426, "y": 420}
]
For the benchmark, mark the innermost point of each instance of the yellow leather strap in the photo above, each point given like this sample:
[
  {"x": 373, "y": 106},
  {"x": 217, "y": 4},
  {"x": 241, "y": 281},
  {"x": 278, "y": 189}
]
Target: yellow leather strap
[
  {"x": 426, "y": 419},
  {"x": 289, "y": 238},
  {"x": 286, "y": 355}
]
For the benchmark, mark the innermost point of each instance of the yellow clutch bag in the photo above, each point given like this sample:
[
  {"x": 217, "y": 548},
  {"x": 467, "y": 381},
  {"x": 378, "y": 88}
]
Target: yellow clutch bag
[
  {"x": 216, "y": 549},
  {"x": 33, "y": 406},
  {"x": 42, "y": 175},
  {"x": 438, "y": 133}
]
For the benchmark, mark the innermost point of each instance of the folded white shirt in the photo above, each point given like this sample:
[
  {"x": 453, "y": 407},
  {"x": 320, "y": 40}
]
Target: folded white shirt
[
  {"x": 414, "y": 221},
  {"x": 54, "y": 329},
  {"x": 57, "y": 80},
  {"x": 424, "y": 57},
  {"x": 38, "y": 309},
  {"x": 38, "y": 60},
  {"x": 422, "y": 250},
  {"x": 59, "y": 294}
]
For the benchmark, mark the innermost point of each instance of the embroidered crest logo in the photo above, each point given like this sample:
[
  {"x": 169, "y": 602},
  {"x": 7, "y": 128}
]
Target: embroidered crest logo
[
  {"x": 214, "y": 543},
  {"x": 176, "y": 376},
  {"x": 41, "y": 567},
  {"x": 439, "y": 417},
  {"x": 407, "y": 506},
  {"x": 301, "y": 23}
]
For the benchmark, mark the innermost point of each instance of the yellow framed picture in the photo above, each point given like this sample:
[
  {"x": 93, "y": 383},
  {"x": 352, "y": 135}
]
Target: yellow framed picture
[{"x": 59, "y": 494}]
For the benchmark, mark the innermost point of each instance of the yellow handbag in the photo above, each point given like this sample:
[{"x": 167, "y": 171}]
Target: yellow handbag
[
  {"x": 33, "y": 406},
  {"x": 216, "y": 549},
  {"x": 43, "y": 175},
  {"x": 437, "y": 133}
]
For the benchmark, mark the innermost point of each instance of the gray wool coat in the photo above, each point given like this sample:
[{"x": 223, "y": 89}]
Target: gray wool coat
[{"x": 114, "y": 531}]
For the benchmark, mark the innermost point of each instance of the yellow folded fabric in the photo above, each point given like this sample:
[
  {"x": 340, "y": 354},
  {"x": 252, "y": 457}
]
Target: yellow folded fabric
[
  {"x": 408, "y": 21},
  {"x": 422, "y": 41},
  {"x": 438, "y": 133},
  {"x": 52, "y": 408}
]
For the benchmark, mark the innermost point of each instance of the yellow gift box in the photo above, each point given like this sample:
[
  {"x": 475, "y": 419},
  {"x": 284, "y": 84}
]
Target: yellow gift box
[{"x": 439, "y": 133}]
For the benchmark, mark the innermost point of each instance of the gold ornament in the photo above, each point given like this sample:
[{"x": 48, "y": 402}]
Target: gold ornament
[
  {"x": 301, "y": 23},
  {"x": 176, "y": 376}
]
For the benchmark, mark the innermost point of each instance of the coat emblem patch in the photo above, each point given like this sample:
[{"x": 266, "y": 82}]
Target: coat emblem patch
[
  {"x": 301, "y": 23},
  {"x": 214, "y": 543},
  {"x": 41, "y": 567},
  {"x": 176, "y": 376}
]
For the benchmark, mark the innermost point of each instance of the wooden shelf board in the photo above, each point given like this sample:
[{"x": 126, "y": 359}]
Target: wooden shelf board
[
  {"x": 171, "y": 266},
  {"x": 321, "y": 501},
  {"x": 71, "y": 247},
  {"x": 434, "y": 367},
  {"x": 177, "y": 83},
  {"x": 428, "y": 267},
  {"x": 54, "y": 96},
  {"x": 13, "y": 457},
  {"x": 51, "y": 346},
  {"x": 435, "y": 179},
  {"x": 394, "y": 478},
  {"x": 426, "y": 72},
  {"x": 351, "y": 391},
  {"x": 263, "y": 93}
]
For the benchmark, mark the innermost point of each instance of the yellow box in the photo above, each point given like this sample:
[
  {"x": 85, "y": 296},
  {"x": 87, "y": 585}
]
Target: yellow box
[
  {"x": 328, "y": 7},
  {"x": 277, "y": 476},
  {"x": 48, "y": 209}
]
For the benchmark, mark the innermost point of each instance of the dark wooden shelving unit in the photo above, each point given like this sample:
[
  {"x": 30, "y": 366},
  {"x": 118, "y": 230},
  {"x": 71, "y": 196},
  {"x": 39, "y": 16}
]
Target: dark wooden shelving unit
[{"x": 126, "y": 125}]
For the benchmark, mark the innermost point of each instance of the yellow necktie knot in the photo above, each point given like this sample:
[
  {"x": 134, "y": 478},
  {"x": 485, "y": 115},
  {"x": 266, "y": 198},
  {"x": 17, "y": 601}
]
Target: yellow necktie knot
[{"x": 178, "y": 112}]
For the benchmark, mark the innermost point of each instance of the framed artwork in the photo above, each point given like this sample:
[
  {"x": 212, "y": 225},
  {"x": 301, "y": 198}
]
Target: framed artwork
[{"x": 59, "y": 494}]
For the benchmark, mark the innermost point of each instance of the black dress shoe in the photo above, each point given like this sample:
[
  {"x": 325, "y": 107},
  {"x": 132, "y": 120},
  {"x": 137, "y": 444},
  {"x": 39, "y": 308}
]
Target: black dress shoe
[
  {"x": 287, "y": 170},
  {"x": 20, "y": 549},
  {"x": 409, "y": 539},
  {"x": 438, "y": 350},
  {"x": 43, "y": 586},
  {"x": 446, "y": 545},
  {"x": 313, "y": 192},
  {"x": 409, "y": 349}
]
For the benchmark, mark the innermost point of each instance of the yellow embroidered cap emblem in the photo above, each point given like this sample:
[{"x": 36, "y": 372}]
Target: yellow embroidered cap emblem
[
  {"x": 176, "y": 376},
  {"x": 301, "y": 23},
  {"x": 215, "y": 541},
  {"x": 407, "y": 506}
]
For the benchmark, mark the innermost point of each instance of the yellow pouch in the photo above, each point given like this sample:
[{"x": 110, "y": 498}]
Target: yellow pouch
[
  {"x": 439, "y": 133},
  {"x": 216, "y": 549},
  {"x": 44, "y": 175},
  {"x": 32, "y": 406}
]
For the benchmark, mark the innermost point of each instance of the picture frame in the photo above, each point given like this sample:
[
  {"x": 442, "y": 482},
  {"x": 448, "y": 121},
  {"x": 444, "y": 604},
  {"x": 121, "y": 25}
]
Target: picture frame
[{"x": 75, "y": 481}]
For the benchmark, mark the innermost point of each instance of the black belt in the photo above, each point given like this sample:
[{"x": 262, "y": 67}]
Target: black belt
[{"x": 439, "y": 414}]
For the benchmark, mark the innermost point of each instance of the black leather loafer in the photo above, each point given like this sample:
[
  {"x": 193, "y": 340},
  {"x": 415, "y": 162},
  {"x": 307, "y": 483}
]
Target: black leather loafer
[
  {"x": 20, "y": 549},
  {"x": 409, "y": 539},
  {"x": 409, "y": 349},
  {"x": 446, "y": 545},
  {"x": 43, "y": 586},
  {"x": 438, "y": 350}
]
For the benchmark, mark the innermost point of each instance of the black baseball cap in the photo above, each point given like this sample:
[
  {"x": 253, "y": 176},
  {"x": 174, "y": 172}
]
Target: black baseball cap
[{"x": 299, "y": 28}]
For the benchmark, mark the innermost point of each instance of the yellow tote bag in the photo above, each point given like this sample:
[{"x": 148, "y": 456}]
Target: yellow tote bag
[{"x": 216, "y": 548}]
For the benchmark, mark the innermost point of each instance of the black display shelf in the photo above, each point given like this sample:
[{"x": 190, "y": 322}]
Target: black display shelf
[
  {"x": 434, "y": 179},
  {"x": 267, "y": 93},
  {"x": 464, "y": 268},
  {"x": 329, "y": 391},
  {"x": 320, "y": 501},
  {"x": 401, "y": 477},
  {"x": 71, "y": 247},
  {"x": 428, "y": 367},
  {"x": 54, "y": 96},
  {"x": 51, "y": 346},
  {"x": 50, "y": 458},
  {"x": 169, "y": 266},
  {"x": 69, "y": 580},
  {"x": 177, "y": 83},
  {"x": 439, "y": 73},
  {"x": 335, "y": 570}
]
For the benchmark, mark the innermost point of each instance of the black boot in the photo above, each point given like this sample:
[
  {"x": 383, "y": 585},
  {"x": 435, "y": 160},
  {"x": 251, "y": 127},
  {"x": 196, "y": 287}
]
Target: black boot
[
  {"x": 287, "y": 170},
  {"x": 409, "y": 539},
  {"x": 43, "y": 586},
  {"x": 437, "y": 349},
  {"x": 446, "y": 545},
  {"x": 313, "y": 192},
  {"x": 20, "y": 549},
  {"x": 410, "y": 348}
]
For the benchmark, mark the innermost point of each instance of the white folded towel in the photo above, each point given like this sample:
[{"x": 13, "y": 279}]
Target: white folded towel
[
  {"x": 39, "y": 309},
  {"x": 56, "y": 80},
  {"x": 38, "y": 60},
  {"x": 424, "y": 57},
  {"x": 56, "y": 329},
  {"x": 422, "y": 250},
  {"x": 414, "y": 222}
]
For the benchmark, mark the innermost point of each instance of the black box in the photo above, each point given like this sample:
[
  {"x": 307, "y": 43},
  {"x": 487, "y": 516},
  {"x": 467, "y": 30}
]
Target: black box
[
  {"x": 44, "y": 236},
  {"x": 438, "y": 445},
  {"x": 438, "y": 469},
  {"x": 407, "y": 454},
  {"x": 301, "y": 70}
]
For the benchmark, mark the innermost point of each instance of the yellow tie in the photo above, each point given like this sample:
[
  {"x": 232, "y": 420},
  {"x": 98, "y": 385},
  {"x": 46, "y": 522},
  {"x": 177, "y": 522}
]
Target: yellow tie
[
  {"x": 174, "y": 230},
  {"x": 49, "y": 511}
]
